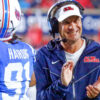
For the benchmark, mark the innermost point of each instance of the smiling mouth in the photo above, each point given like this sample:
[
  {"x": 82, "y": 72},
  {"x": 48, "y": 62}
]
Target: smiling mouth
[{"x": 73, "y": 32}]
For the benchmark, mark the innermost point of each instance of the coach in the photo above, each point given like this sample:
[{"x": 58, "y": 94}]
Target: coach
[{"x": 68, "y": 68}]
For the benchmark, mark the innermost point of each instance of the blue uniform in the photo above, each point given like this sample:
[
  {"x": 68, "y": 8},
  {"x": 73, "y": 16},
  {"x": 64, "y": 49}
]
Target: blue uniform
[
  {"x": 16, "y": 68},
  {"x": 49, "y": 61}
]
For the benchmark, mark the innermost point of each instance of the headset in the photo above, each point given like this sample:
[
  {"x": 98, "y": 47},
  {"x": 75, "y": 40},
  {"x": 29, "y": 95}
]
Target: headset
[{"x": 52, "y": 21}]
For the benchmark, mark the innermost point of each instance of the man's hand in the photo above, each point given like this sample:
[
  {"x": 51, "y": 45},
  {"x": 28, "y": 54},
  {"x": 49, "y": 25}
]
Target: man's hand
[
  {"x": 93, "y": 90},
  {"x": 66, "y": 73}
]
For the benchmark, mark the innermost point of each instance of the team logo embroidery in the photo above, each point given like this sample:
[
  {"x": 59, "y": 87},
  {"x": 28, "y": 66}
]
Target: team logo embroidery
[
  {"x": 91, "y": 59},
  {"x": 68, "y": 8},
  {"x": 17, "y": 14}
]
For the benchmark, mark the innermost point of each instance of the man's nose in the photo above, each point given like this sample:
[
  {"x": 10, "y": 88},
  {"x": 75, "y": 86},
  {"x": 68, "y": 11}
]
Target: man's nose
[{"x": 72, "y": 25}]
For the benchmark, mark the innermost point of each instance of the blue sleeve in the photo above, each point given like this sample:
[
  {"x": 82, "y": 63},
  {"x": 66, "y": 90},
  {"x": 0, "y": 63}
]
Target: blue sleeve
[
  {"x": 33, "y": 56},
  {"x": 45, "y": 89}
]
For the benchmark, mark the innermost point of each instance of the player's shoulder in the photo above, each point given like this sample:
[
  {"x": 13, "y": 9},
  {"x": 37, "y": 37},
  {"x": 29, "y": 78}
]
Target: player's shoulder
[
  {"x": 23, "y": 45},
  {"x": 32, "y": 48}
]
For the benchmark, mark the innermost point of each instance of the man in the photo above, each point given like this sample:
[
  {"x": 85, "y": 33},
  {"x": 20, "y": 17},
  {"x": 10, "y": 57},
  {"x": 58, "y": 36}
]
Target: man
[
  {"x": 67, "y": 68},
  {"x": 16, "y": 57}
]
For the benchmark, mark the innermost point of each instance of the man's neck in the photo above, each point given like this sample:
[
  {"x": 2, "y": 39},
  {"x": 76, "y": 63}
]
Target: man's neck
[{"x": 72, "y": 47}]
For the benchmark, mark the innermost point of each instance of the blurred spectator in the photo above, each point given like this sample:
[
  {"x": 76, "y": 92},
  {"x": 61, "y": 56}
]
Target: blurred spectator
[
  {"x": 24, "y": 4},
  {"x": 47, "y": 3},
  {"x": 35, "y": 3},
  {"x": 86, "y": 3},
  {"x": 34, "y": 35},
  {"x": 28, "y": 3},
  {"x": 96, "y": 3}
]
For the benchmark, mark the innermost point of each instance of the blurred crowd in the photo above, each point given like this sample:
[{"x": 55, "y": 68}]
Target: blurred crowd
[
  {"x": 48, "y": 3},
  {"x": 35, "y": 34}
]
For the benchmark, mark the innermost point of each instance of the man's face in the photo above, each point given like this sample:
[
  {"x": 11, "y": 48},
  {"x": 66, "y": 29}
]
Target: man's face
[{"x": 71, "y": 28}]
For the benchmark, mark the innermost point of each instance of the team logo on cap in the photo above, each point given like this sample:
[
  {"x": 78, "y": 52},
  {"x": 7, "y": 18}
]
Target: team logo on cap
[
  {"x": 68, "y": 8},
  {"x": 17, "y": 14}
]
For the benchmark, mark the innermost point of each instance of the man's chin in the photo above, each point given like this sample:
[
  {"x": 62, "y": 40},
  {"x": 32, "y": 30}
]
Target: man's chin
[{"x": 72, "y": 41}]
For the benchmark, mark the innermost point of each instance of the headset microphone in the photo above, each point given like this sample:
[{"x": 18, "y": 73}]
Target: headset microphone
[{"x": 64, "y": 40}]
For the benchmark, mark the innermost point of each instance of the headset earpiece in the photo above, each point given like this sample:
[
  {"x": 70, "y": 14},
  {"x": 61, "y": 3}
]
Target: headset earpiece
[{"x": 54, "y": 26}]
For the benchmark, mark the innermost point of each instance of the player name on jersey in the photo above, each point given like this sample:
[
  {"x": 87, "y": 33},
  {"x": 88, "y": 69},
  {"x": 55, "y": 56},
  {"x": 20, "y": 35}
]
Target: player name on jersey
[{"x": 18, "y": 53}]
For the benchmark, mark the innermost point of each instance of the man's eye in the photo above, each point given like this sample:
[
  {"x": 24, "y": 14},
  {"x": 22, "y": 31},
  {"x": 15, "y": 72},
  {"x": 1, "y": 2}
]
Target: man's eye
[
  {"x": 66, "y": 22},
  {"x": 77, "y": 20}
]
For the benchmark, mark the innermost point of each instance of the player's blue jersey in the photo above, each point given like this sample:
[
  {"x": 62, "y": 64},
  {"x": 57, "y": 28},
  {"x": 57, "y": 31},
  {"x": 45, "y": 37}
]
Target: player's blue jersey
[{"x": 16, "y": 68}]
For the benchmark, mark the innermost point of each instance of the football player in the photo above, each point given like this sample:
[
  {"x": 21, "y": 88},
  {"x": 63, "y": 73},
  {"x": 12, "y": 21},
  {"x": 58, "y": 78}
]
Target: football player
[{"x": 16, "y": 57}]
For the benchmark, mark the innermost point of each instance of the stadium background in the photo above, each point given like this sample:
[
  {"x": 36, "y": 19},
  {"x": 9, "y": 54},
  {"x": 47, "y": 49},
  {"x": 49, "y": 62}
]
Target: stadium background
[{"x": 34, "y": 25}]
